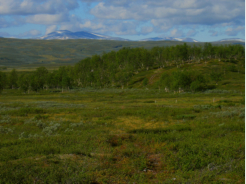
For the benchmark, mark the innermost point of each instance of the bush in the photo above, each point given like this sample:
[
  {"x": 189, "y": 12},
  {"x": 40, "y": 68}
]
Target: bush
[
  {"x": 39, "y": 116},
  {"x": 242, "y": 115},
  {"x": 197, "y": 86},
  {"x": 232, "y": 68},
  {"x": 186, "y": 116},
  {"x": 26, "y": 111},
  {"x": 216, "y": 76},
  {"x": 186, "y": 80},
  {"x": 5, "y": 130},
  {"x": 203, "y": 107},
  {"x": 40, "y": 124},
  {"x": 145, "y": 82},
  {"x": 51, "y": 129}
]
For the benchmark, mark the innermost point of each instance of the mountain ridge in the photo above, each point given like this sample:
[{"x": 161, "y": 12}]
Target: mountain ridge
[
  {"x": 231, "y": 39},
  {"x": 65, "y": 35},
  {"x": 170, "y": 39}
]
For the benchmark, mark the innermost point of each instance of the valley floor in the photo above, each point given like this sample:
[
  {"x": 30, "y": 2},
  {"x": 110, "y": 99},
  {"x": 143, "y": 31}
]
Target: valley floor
[{"x": 122, "y": 136}]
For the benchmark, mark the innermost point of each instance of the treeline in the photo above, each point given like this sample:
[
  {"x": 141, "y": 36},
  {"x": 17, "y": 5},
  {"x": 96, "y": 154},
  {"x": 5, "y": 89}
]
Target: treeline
[{"x": 115, "y": 69}]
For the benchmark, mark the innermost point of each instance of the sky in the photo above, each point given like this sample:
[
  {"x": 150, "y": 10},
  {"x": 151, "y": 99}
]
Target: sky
[{"x": 203, "y": 20}]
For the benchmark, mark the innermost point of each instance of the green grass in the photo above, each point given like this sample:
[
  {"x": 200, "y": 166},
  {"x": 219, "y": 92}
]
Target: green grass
[{"x": 122, "y": 136}]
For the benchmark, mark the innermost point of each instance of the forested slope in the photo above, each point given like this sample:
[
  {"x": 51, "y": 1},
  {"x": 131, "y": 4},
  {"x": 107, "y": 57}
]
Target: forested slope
[
  {"x": 174, "y": 68},
  {"x": 27, "y": 54}
]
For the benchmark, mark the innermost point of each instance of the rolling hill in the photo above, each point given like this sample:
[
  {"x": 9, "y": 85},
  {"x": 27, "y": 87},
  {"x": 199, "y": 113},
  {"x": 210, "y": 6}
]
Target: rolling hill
[{"x": 29, "y": 54}]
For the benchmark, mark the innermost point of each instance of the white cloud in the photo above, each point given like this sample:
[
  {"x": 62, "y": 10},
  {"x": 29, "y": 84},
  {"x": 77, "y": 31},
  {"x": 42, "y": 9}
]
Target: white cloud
[
  {"x": 4, "y": 34},
  {"x": 191, "y": 33},
  {"x": 127, "y": 16},
  {"x": 47, "y": 19},
  {"x": 176, "y": 33},
  {"x": 161, "y": 25},
  {"x": 167, "y": 14},
  {"x": 111, "y": 12},
  {"x": 34, "y": 32},
  {"x": 3, "y": 23},
  {"x": 27, "y": 7},
  {"x": 30, "y": 34},
  {"x": 234, "y": 31},
  {"x": 47, "y": 12},
  {"x": 50, "y": 29},
  {"x": 213, "y": 33},
  {"x": 102, "y": 26},
  {"x": 188, "y": 10},
  {"x": 146, "y": 29}
]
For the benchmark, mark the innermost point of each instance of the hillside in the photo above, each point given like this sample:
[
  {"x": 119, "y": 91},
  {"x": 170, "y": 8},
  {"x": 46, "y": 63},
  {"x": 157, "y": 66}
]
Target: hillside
[
  {"x": 29, "y": 54},
  {"x": 164, "y": 115},
  {"x": 82, "y": 135},
  {"x": 180, "y": 68}
]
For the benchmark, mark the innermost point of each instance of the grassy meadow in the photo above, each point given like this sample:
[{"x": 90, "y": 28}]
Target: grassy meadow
[{"x": 122, "y": 136}]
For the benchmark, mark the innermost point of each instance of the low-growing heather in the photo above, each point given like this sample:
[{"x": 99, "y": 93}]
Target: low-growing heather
[{"x": 123, "y": 136}]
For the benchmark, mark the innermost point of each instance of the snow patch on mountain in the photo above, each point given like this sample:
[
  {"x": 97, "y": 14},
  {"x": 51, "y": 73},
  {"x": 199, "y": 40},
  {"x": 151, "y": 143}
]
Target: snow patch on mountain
[
  {"x": 170, "y": 39},
  {"x": 231, "y": 39},
  {"x": 65, "y": 35}
]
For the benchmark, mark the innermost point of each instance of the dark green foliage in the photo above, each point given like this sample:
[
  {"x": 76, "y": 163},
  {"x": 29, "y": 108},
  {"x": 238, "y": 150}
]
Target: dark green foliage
[
  {"x": 13, "y": 78},
  {"x": 184, "y": 80},
  {"x": 145, "y": 82},
  {"x": 216, "y": 76},
  {"x": 199, "y": 83},
  {"x": 26, "y": 111},
  {"x": 181, "y": 80},
  {"x": 186, "y": 116},
  {"x": 24, "y": 82},
  {"x": 3, "y": 80},
  {"x": 117, "y": 69},
  {"x": 232, "y": 68}
]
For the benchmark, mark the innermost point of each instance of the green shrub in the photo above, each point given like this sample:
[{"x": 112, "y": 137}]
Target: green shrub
[
  {"x": 26, "y": 111},
  {"x": 40, "y": 124},
  {"x": 197, "y": 86},
  {"x": 186, "y": 116},
  {"x": 39, "y": 116},
  {"x": 145, "y": 82},
  {"x": 242, "y": 115},
  {"x": 203, "y": 107},
  {"x": 5, "y": 130},
  {"x": 232, "y": 68},
  {"x": 50, "y": 130}
]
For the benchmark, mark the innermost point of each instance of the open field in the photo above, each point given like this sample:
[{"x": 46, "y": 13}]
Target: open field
[
  {"x": 30, "y": 54},
  {"x": 122, "y": 136}
]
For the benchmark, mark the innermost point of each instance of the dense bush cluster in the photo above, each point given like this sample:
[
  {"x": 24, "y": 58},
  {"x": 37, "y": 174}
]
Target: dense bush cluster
[
  {"x": 183, "y": 81},
  {"x": 115, "y": 69}
]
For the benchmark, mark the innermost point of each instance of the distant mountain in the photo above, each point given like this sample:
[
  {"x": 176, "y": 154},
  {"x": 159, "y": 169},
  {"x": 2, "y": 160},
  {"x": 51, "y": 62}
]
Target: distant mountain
[
  {"x": 65, "y": 35},
  {"x": 231, "y": 39},
  {"x": 170, "y": 39}
]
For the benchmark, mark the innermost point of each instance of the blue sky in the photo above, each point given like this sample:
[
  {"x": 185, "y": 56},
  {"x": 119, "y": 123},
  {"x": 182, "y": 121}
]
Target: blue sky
[{"x": 203, "y": 20}]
